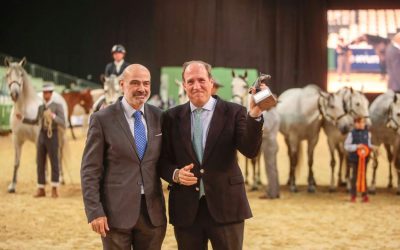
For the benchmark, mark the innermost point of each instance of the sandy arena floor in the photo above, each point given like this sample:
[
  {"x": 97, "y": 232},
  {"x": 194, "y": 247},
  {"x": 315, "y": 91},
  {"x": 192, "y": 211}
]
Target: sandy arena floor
[{"x": 297, "y": 221}]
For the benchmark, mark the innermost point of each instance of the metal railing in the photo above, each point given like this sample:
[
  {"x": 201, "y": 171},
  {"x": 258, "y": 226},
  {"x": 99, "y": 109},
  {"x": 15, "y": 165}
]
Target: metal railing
[{"x": 58, "y": 78}]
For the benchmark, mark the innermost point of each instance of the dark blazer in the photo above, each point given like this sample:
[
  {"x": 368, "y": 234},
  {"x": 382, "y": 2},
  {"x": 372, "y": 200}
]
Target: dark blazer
[
  {"x": 231, "y": 129},
  {"x": 111, "y": 69},
  {"x": 111, "y": 172}
]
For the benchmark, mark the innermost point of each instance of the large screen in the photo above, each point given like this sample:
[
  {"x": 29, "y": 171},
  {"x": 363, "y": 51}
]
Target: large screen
[{"x": 357, "y": 41}]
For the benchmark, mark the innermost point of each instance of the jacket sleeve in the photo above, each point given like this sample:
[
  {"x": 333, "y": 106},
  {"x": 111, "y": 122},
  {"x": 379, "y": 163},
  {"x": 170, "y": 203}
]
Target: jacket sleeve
[
  {"x": 92, "y": 169},
  {"x": 167, "y": 162},
  {"x": 348, "y": 143},
  {"x": 60, "y": 117},
  {"x": 248, "y": 134}
]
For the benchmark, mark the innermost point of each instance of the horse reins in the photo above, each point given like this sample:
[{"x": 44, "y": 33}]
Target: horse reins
[
  {"x": 324, "y": 112},
  {"x": 352, "y": 112},
  {"x": 391, "y": 119}
]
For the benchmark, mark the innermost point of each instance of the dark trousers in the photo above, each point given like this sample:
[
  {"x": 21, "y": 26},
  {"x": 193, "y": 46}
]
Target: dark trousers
[
  {"x": 142, "y": 236},
  {"x": 354, "y": 174},
  {"x": 222, "y": 236},
  {"x": 46, "y": 145}
]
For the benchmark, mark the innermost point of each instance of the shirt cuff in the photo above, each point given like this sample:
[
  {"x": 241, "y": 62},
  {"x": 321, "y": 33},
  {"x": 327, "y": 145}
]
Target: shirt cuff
[{"x": 173, "y": 176}]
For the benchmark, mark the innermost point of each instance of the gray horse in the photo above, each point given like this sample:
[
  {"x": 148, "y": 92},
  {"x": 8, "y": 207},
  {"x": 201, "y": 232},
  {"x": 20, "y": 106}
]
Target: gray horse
[
  {"x": 385, "y": 129},
  {"x": 300, "y": 110},
  {"x": 112, "y": 91},
  {"x": 355, "y": 104}
]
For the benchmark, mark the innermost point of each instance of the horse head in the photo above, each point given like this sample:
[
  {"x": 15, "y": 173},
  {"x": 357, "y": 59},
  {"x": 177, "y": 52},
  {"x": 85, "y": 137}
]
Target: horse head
[
  {"x": 355, "y": 103},
  {"x": 394, "y": 114},
  {"x": 15, "y": 77},
  {"x": 239, "y": 88},
  {"x": 182, "y": 96},
  {"x": 331, "y": 108},
  {"x": 112, "y": 89}
]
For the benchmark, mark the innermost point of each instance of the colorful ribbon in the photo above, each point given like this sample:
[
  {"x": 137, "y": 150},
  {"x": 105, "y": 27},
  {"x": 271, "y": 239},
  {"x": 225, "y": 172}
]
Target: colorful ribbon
[{"x": 362, "y": 153}]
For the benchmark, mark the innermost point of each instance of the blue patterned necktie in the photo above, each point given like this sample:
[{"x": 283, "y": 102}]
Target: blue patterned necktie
[
  {"x": 198, "y": 141},
  {"x": 140, "y": 134}
]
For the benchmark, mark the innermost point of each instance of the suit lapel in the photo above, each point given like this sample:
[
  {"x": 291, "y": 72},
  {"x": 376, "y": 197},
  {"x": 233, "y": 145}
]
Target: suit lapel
[
  {"x": 185, "y": 130},
  {"x": 151, "y": 123},
  {"x": 216, "y": 125},
  {"x": 120, "y": 117}
]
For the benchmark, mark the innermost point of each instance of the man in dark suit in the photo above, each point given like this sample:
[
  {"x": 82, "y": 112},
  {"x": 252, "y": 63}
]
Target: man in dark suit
[
  {"x": 121, "y": 188},
  {"x": 393, "y": 63},
  {"x": 118, "y": 65},
  {"x": 207, "y": 199},
  {"x": 50, "y": 118}
]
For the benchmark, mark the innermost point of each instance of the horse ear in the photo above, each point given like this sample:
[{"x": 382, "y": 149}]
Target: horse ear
[
  {"x": 351, "y": 90},
  {"x": 233, "y": 73},
  {"x": 395, "y": 98},
  {"x": 102, "y": 78},
  {"x": 245, "y": 74},
  {"x": 323, "y": 94},
  {"x": 362, "y": 89},
  {"x": 7, "y": 62},
  {"x": 22, "y": 62}
]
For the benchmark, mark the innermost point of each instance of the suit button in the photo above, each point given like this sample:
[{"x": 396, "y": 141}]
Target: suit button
[
  {"x": 202, "y": 171},
  {"x": 197, "y": 189}
]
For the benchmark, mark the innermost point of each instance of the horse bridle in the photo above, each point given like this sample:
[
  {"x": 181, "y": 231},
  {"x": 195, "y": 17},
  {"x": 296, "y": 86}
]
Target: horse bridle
[
  {"x": 325, "y": 114},
  {"x": 14, "y": 82},
  {"x": 351, "y": 112}
]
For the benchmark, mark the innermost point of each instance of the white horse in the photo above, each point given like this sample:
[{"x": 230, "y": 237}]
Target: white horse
[
  {"x": 112, "y": 91},
  {"x": 182, "y": 96},
  {"x": 300, "y": 110},
  {"x": 26, "y": 103},
  {"x": 385, "y": 129}
]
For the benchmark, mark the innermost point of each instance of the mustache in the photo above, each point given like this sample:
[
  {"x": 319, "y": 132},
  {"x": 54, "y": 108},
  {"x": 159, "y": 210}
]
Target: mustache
[{"x": 140, "y": 93}]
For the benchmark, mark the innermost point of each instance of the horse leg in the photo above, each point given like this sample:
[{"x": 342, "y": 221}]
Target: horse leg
[
  {"x": 332, "y": 164},
  {"x": 390, "y": 158},
  {"x": 246, "y": 172},
  {"x": 341, "y": 152},
  {"x": 258, "y": 166},
  {"x": 398, "y": 182},
  {"x": 294, "y": 151},
  {"x": 17, "y": 161},
  {"x": 372, "y": 189},
  {"x": 61, "y": 142},
  {"x": 255, "y": 181},
  {"x": 71, "y": 127},
  {"x": 311, "y": 181},
  {"x": 289, "y": 155}
]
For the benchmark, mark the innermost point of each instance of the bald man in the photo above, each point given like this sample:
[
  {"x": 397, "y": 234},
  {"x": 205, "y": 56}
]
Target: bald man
[
  {"x": 122, "y": 191},
  {"x": 393, "y": 63}
]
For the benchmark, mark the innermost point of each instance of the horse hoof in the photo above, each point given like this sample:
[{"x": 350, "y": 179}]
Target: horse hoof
[
  {"x": 246, "y": 182},
  {"x": 11, "y": 189},
  {"x": 342, "y": 184},
  {"x": 62, "y": 182},
  {"x": 373, "y": 192},
  {"x": 398, "y": 193},
  {"x": 390, "y": 185},
  {"x": 332, "y": 190},
  {"x": 311, "y": 189},
  {"x": 293, "y": 189}
]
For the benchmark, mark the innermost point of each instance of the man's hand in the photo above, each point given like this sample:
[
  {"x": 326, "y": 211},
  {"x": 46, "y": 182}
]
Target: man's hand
[
  {"x": 255, "y": 111},
  {"x": 100, "y": 225},
  {"x": 186, "y": 177},
  {"x": 19, "y": 116}
]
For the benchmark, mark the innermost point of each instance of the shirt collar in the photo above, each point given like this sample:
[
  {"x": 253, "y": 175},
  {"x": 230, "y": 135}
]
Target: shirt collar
[
  {"x": 128, "y": 109},
  {"x": 210, "y": 105},
  {"x": 119, "y": 63}
]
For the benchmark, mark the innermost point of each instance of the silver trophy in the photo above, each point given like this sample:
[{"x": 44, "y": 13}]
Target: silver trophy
[{"x": 263, "y": 97}]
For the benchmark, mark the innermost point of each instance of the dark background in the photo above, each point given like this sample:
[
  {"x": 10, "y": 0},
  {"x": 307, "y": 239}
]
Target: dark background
[{"x": 285, "y": 38}]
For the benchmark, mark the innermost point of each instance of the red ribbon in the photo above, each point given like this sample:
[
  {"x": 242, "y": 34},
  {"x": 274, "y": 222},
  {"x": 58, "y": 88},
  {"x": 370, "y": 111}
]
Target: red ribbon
[{"x": 362, "y": 153}]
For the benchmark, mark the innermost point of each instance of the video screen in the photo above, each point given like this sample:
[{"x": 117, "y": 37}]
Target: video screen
[{"x": 357, "y": 42}]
